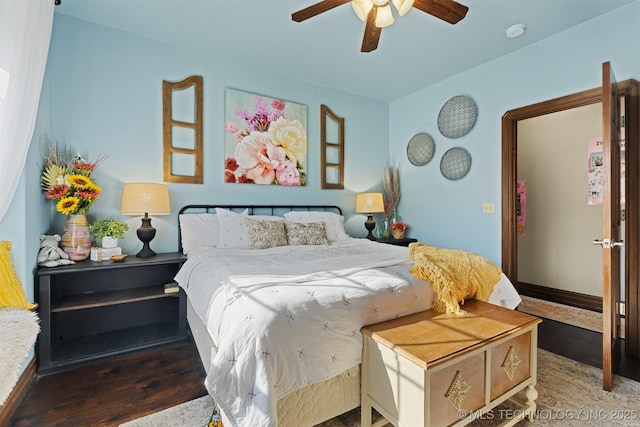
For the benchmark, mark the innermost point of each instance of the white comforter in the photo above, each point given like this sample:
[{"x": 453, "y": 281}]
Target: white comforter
[{"x": 286, "y": 317}]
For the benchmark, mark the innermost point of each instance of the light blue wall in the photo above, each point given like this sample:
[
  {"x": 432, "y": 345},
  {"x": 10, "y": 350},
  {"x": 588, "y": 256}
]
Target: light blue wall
[
  {"x": 102, "y": 93},
  {"x": 449, "y": 213},
  {"x": 106, "y": 97}
]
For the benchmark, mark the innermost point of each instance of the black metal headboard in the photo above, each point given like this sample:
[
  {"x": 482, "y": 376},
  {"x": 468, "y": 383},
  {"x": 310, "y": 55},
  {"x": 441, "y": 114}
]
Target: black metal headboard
[{"x": 253, "y": 210}]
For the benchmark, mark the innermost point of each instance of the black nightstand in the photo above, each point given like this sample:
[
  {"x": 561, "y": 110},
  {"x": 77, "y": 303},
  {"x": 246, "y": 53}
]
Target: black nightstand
[
  {"x": 94, "y": 310},
  {"x": 397, "y": 242}
]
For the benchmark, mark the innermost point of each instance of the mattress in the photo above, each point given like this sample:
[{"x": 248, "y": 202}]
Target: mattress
[
  {"x": 308, "y": 406},
  {"x": 287, "y": 329}
]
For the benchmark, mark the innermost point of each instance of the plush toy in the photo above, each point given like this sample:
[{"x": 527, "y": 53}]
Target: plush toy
[{"x": 51, "y": 255}]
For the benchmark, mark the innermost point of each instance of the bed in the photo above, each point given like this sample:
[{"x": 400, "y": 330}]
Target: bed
[{"x": 277, "y": 320}]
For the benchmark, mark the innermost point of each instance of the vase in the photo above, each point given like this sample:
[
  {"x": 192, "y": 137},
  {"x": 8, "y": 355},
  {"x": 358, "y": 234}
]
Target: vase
[
  {"x": 377, "y": 232},
  {"x": 76, "y": 238},
  {"x": 398, "y": 234},
  {"x": 394, "y": 217},
  {"x": 385, "y": 233}
]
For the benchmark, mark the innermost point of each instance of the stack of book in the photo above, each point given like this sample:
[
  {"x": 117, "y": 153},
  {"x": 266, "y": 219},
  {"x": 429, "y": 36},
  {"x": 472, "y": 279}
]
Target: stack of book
[
  {"x": 103, "y": 254},
  {"x": 171, "y": 288}
]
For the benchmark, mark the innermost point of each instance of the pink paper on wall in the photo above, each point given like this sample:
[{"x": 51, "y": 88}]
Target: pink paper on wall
[
  {"x": 595, "y": 171},
  {"x": 521, "y": 206},
  {"x": 623, "y": 166}
]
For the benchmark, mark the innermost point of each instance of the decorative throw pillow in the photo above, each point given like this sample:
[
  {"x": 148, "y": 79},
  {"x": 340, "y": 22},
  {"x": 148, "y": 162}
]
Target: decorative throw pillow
[
  {"x": 334, "y": 223},
  {"x": 265, "y": 234},
  {"x": 11, "y": 290},
  {"x": 231, "y": 227},
  {"x": 197, "y": 230},
  {"x": 312, "y": 233},
  {"x": 267, "y": 217}
]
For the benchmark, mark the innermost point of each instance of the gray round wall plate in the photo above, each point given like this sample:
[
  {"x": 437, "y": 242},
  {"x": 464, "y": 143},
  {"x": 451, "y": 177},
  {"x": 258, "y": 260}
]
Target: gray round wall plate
[
  {"x": 420, "y": 149},
  {"x": 455, "y": 163},
  {"x": 457, "y": 116}
]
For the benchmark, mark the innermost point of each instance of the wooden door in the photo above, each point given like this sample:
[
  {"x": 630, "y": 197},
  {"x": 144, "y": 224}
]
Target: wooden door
[
  {"x": 631, "y": 91},
  {"x": 611, "y": 218}
]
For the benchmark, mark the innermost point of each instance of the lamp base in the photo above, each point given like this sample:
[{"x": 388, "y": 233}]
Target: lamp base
[
  {"x": 370, "y": 224},
  {"x": 146, "y": 252},
  {"x": 146, "y": 233}
]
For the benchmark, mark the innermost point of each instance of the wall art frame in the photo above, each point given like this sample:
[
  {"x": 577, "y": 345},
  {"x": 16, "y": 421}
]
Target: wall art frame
[
  {"x": 182, "y": 124},
  {"x": 265, "y": 140},
  {"x": 331, "y": 150}
]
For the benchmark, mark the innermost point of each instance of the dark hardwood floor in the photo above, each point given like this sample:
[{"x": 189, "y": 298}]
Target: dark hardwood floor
[
  {"x": 115, "y": 391},
  {"x": 584, "y": 346},
  {"x": 112, "y": 392}
]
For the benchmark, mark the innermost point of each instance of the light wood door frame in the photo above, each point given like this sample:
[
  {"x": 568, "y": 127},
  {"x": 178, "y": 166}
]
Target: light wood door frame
[{"x": 631, "y": 91}]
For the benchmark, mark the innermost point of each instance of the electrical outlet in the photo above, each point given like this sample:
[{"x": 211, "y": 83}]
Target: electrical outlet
[{"x": 487, "y": 208}]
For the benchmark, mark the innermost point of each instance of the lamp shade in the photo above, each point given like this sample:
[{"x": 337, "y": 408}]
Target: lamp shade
[
  {"x": 140, "y": 198},
  {"x": 384, "y": 17},
  {"x": 362, "y": 8},
  {"x": 369, "y": 203},
  {"x": 403, "y": 6}
]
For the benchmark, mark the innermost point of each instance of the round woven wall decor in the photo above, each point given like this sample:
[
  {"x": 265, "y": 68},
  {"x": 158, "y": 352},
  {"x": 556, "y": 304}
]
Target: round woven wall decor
[
  {"x": 457, "y": 117},
  {"x": 420, "y": 149},
  {"x": 455, "y": 163}
]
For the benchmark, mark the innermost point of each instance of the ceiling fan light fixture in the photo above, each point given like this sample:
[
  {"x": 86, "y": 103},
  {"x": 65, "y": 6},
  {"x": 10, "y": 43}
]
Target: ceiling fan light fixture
[
  {"x": 403, "y": 6},
  {"x": 384, "y": 17},
  {"x": 362, "y": 8},
  {"x": 377, "y": 14}
]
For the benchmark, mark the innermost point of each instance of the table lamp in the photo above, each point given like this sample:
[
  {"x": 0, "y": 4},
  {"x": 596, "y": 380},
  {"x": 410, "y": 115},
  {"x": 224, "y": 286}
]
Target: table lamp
[
  {"x": 369, "y": 203},
  {"x": 145, "y": 198}
]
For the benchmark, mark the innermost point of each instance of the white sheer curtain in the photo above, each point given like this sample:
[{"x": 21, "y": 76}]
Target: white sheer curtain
[{"x": 25, "y": 32}]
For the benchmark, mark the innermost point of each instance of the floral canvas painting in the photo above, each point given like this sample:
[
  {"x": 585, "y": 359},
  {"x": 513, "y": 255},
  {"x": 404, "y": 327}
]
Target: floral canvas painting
[{"x": 265, "y": 140}]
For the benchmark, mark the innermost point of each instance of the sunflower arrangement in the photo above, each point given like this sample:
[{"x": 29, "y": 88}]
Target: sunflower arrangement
[{"x": 66, "y": 178}]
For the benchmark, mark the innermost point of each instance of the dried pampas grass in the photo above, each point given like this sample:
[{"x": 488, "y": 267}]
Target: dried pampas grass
[{"x": 391, "y": 184}]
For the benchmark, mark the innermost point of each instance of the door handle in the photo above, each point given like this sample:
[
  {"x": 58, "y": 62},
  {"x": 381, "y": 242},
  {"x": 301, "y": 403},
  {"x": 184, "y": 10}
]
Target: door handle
[{"x": 608, "y": 243}]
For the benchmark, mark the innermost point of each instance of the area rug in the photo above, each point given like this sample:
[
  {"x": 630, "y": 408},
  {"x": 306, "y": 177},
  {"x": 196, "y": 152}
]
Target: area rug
[
  {"x": 569, "y": 394},
  {"x": 582, "y": 318}
]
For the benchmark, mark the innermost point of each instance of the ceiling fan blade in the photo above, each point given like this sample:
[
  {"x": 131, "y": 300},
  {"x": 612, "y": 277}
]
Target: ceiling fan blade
[
  {"x": 316, "y": 9},
  {"x": 371, "y": 32},
  {"x": 447, "y": 10}
]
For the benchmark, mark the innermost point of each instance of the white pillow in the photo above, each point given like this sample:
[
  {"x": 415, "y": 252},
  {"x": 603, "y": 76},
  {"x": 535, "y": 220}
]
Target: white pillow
[
  {"x": 334, "y": 223},
  {"x": 232, "y": 232},
  {"x": 197, "y": 230}
]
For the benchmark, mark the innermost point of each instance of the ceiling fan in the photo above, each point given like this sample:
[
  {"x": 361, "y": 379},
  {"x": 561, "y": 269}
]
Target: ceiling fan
[{"x": 377, "y": 14}]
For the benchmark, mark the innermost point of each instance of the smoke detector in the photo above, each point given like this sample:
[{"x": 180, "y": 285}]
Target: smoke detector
[{"x": 515, "y": 31}]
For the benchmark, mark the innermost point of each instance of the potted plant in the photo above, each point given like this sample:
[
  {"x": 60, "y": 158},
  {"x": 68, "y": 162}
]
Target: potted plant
[
  {"x": 108, "y": 231},
  {"x": 399, "y": 229}
]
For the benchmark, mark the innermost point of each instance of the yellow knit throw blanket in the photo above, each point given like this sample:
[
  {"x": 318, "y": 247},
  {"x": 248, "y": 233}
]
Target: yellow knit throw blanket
[
  {"x": 454, "y": 275},
  {"x": 11, "y": 291}
]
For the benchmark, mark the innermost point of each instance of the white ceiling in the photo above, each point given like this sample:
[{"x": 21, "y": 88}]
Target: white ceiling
[{"x": 415, "y": 52}]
